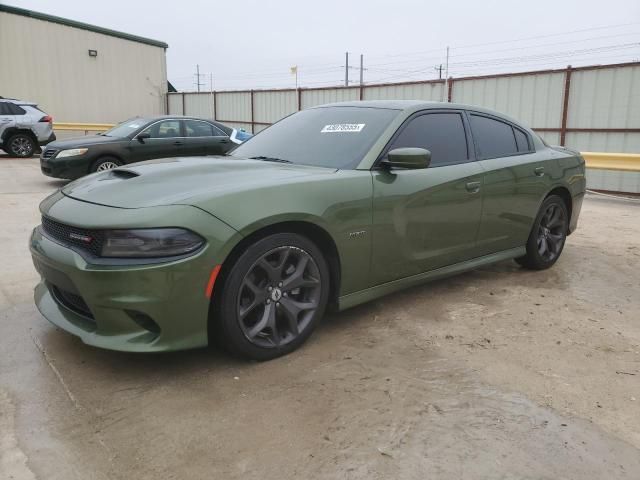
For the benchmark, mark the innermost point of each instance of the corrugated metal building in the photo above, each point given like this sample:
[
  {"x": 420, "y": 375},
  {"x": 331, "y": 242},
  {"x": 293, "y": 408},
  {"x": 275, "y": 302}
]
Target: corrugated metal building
[{"x": 78, "y": 72}]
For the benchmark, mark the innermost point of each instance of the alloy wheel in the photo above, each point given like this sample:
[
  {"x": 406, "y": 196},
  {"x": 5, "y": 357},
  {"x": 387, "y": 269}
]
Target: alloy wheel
[
  {"x": 279, "y": 296},
  {"x": 551, "y": 232},
  {"x": 21, "y": 146},
  {"x": 106, "y": 166}
]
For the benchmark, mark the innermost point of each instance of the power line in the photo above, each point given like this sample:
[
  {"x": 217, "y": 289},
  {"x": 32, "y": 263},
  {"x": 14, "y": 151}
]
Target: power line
[{"x": 458, "y": 47}]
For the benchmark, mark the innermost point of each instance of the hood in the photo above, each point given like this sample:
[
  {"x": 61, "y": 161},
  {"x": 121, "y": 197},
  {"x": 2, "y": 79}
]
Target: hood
[
  {"x": 174, "y": 181},
  {"x": 86, "y": 141}
]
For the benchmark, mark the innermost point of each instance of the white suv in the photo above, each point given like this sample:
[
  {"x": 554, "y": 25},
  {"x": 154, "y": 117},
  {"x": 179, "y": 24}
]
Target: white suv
[{"x": 23, "y": 127}]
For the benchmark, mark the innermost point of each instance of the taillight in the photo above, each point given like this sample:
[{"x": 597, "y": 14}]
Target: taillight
[{"x": 46, "y": 118}]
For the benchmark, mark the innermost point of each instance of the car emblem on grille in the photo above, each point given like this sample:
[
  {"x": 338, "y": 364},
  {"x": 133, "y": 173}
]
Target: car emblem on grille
[{"x": 82, "y": 238}]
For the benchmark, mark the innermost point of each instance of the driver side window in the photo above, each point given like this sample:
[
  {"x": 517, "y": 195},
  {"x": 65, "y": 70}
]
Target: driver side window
[
  {"x": 164, "y": 129},
  {"x": 441, "y": 133}
]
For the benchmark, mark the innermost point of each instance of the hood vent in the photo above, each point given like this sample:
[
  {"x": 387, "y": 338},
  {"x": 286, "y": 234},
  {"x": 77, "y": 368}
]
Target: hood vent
[{"x": 122, "y": 174}]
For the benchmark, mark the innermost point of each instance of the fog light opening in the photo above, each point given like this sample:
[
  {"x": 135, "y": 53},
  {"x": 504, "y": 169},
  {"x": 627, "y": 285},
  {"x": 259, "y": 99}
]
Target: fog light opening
[{"x": 144, "y": 320}]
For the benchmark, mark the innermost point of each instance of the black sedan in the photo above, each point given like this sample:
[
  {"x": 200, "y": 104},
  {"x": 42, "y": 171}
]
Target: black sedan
[{"x": 136, "y": 140}]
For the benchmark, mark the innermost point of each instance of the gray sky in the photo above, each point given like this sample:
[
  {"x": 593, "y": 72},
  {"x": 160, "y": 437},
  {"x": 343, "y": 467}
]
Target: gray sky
[{"x": 253, "y": 44}]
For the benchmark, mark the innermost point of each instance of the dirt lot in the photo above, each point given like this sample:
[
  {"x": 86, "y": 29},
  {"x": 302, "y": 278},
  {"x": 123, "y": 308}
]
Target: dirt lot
[{"x": 499, "y": 373}]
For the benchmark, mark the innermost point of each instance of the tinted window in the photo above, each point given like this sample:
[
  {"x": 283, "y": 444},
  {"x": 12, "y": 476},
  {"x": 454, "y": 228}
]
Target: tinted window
[
  {"x": 193, "y": 128},
  {"x": 334, "y": 137},
  {"x": 227, "y": 131},
  {"x": 440, "y": 133},
  {"x": 494, "y": 138},
  {"x": 164, "y": 129},
  {"x": 521, "y": 140},
  {"x": 15, "y": 109},
  {"x": 4, "y": 108}
]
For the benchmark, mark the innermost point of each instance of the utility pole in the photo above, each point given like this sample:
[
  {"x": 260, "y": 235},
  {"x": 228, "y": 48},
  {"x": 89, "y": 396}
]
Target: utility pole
[
  {"x": 439, "y": 69},
  {"x": 211, "y": 95},
  {"x": 446, "y": 83},
  {"x": 361, "y": 70},
  {"x": 198, "y": 75},
  {"x": 346, "y": 69}
]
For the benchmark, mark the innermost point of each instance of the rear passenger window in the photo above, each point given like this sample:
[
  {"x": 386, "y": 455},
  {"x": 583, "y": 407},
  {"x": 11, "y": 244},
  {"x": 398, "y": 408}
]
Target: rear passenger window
[
  {"x": 195, "y": 128},
  {"x": 521, "y": 140},
  {"x": 494, "y": 138},
  {"x": 15, "y": 109},
  {"x": 440, "y": 133}
]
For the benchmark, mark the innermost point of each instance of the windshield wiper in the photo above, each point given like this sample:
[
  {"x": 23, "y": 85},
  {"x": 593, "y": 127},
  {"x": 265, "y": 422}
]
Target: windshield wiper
[{"x": 270, "y": 159}]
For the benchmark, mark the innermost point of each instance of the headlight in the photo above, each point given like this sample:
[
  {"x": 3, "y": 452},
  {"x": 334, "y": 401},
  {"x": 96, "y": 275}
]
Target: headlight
[
  {"x": 156, "y": 242},
  {"x": 72, "y": 152}
]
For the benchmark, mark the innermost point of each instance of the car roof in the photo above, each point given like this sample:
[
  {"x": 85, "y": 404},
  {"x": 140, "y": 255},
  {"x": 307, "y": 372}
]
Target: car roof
[
  {"x": 152, "y": 118},
  {"x": 225, "y": 128},
  {"x": 410, "y": 106},
  {"x": 16, "y": 101}
]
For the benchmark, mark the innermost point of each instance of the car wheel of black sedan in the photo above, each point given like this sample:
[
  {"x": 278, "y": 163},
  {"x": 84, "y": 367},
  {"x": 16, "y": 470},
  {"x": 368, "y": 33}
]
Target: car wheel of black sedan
[
  {"x": 105, "y": 163},
  {"x": 21, "y": 145},
  {"x": 548, "y": 235},
  {"x": 273, "y": 297}
]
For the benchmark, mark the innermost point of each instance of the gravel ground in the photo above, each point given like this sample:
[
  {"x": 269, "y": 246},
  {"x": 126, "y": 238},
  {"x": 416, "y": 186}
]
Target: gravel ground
[{"x": 497, "y": 373}]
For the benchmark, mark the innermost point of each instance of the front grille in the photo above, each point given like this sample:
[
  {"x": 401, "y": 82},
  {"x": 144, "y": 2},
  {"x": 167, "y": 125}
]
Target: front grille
[
  {"x": 49, "y": 152},
  {"x": 89, "y": 241},
  {"x": 73, "y": 302}
]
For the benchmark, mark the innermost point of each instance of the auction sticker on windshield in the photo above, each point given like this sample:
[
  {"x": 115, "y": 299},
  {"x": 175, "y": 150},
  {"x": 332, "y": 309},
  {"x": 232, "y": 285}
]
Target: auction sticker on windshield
[{"x": 343, "y": 127}]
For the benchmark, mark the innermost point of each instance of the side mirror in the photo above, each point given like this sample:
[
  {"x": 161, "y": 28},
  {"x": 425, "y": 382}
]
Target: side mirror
[
  {"x": 142, "y": 136},
  {"x": 411, "y": 158}
]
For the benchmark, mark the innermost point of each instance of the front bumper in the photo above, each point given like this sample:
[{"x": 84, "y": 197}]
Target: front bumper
[
  {"x": 69, "y": 168},
  {"x": 134, "y": 308}
]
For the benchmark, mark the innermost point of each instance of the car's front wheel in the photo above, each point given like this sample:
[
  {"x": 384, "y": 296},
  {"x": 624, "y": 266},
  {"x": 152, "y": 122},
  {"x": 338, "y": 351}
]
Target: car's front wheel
[
  {"x": 547, "y": 236},
  {"x": 105, "y": 163},
  {"x": 21, "y": 145},
  {"x": 273, "y": 297}
]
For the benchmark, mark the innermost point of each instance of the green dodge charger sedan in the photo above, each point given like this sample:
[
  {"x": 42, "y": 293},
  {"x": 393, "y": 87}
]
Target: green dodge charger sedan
[{"x": 328, "y": 208}]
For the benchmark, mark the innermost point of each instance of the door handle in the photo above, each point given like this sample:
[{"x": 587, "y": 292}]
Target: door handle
[
  {"x": 539, "y": 171},
  {"x": 178, "y": 142},
  {"x": 473, "y": 187}
]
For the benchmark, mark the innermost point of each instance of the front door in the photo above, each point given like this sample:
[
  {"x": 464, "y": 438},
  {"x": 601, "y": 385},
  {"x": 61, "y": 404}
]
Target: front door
[
  {"x": 165, "y": 140},
  {"x": 426, "y": 219}
]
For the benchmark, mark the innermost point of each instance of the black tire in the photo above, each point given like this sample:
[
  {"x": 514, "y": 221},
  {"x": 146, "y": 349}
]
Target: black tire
[
  {"x": 105, "y": 163},
  {"x": 253, "y": 297},
  {"x": 548, "y": 235},
  {"x": 21, "y": 145}
]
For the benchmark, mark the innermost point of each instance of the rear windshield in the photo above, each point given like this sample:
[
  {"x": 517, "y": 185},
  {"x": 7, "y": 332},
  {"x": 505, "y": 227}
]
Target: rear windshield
[
  {"x": 224, "y": 128},
  {"x": 334, "y": 137}
]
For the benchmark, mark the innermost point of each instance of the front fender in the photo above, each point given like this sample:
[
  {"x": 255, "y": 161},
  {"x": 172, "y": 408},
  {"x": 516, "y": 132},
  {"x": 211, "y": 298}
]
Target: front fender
[{"x": 340, "y": 205}]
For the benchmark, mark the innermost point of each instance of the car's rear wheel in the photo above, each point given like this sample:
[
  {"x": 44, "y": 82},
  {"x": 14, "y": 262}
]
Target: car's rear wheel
[
  {"x": 21, "y": 145},
  {"x": 548, "y": 235},
  {"x": 105, "y": 163},
  {"x": 273, "y": 297}
]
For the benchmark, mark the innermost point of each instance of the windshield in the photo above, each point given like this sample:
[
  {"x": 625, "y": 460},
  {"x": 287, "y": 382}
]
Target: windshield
[
  {"x": 334, "y": 137},
  {"x": 126, "y": 128}
]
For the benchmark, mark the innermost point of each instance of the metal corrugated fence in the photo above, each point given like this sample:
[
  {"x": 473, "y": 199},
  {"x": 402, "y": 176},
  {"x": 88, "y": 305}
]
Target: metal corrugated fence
[{"x": 595, "y": 108}]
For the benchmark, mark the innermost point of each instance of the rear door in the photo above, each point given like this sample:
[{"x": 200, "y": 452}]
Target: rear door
[
  {"x": 429, "y": 218},
  {"x": 166, "y": 140},
  {"x": 203, "y": 138},
  {"x": 513, "y": 184}
]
